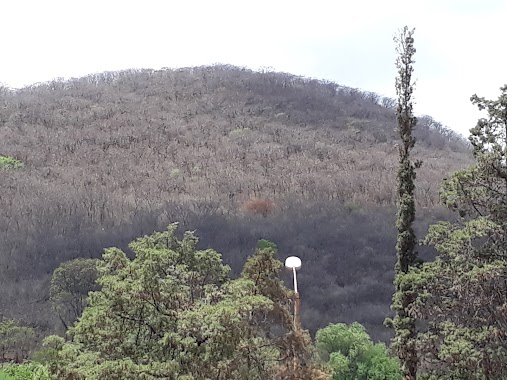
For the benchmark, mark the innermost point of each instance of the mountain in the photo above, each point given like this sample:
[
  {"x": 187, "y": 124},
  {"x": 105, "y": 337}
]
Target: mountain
[{"x": 235, "y": 154}]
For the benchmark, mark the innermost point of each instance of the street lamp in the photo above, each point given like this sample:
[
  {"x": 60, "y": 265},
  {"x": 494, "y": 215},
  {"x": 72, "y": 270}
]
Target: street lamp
[{"x": 294, "y": 263}]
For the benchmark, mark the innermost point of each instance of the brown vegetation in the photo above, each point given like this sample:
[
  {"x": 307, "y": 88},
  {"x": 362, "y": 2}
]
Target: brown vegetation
[
  {"x": 114, "y": 155},
  {"x": 262, "y": 207}
]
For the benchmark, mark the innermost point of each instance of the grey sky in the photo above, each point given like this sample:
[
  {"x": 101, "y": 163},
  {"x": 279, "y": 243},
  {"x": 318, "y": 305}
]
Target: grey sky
[{"x": 460, "y": 44}]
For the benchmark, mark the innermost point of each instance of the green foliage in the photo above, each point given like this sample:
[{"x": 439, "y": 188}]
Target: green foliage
[
  {"x": 70, "y": 285},
  {"x": 5, "y": 376},
  {"x": 462, "y": 295},
  {"x": 24, "y": 372},
  {"x": 7, "y": 162},
  {"x": 173, "y": 312},
  {"x": 266, "y": 244},
  {"x": 404, "y": 324},
  {"x": 49, "y": 354},
  {"x": 351, "y": 354},
  {"x": 15, "y": 340}
]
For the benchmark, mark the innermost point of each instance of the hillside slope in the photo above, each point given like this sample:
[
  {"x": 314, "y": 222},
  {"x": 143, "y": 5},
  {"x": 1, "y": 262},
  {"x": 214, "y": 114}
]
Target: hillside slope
[{"x": 236, "y": 154}]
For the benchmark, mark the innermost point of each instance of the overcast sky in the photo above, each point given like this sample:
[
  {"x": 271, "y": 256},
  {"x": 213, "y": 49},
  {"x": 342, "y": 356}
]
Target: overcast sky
[{"x": 460, "y": 43}]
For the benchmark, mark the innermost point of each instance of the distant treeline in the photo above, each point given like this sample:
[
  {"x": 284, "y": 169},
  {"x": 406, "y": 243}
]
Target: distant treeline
[{"x": 237, "y": 155}]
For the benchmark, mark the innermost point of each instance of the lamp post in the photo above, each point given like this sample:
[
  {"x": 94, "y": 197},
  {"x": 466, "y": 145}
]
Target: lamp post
[{"x": 294, "y": 263}]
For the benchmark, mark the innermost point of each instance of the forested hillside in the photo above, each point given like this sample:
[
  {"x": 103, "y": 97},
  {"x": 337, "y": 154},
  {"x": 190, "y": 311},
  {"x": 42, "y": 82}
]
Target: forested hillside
[{"x": 234, "y": 154}]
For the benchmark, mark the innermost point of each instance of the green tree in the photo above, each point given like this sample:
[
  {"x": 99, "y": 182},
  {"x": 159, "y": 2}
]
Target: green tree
[
  {"x": 463, "y": 293},
  {"x": 173, "y": 312},
  {"x": 70, "y": 285},
  {"x": 350, "y": 353},
  {"x": 16, "y": 340},
  {"x": 404, "y": 323}
]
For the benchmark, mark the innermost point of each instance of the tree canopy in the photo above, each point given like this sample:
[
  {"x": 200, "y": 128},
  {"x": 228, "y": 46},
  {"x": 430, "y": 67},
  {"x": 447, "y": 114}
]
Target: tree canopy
[
  {"x": 173, "y": 312},
  {"x": 70, "y": 284},
  {"x": 351, "y": 354},
  {"x": 463, "y": 297}
]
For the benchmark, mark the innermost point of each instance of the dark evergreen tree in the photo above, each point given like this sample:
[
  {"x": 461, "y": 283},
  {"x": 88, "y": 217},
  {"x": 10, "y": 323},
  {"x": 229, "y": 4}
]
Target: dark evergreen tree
[{"x": 404, "y": 324}]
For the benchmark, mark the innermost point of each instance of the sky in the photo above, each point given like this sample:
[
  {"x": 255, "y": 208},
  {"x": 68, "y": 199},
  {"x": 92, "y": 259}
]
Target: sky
[{"x": 460, "y": 43}]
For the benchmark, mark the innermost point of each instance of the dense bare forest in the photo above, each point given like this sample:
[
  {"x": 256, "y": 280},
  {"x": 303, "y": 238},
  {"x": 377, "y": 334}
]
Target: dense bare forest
[{"x": 234, "y": 154}]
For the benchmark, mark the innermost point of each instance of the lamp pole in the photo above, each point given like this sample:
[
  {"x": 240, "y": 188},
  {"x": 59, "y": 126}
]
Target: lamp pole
[{"x": 294, "y": 263}]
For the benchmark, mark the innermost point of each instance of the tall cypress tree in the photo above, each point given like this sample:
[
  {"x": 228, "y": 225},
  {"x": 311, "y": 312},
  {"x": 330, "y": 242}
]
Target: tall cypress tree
[{"x": 404, "y": 323}]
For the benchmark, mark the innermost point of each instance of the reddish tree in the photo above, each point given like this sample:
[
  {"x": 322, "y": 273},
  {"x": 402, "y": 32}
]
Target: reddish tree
[{"x": 257, "y": 206}]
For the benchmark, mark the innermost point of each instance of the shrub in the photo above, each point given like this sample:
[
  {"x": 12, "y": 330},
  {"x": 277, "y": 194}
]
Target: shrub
[
  {"x": 10, "y": 163},
  {"x": 351, "y": 355},
  {"x": 5, "y": 376},
  {"x": 28, "y": 371}
]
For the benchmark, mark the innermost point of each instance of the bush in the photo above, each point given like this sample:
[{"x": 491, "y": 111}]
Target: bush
[
  {"x": 351, "y": 355},
  {"x": 4, "y": 376},
  {"x": 24, "y": 372},
  {"x": 10, "y": 163}
]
